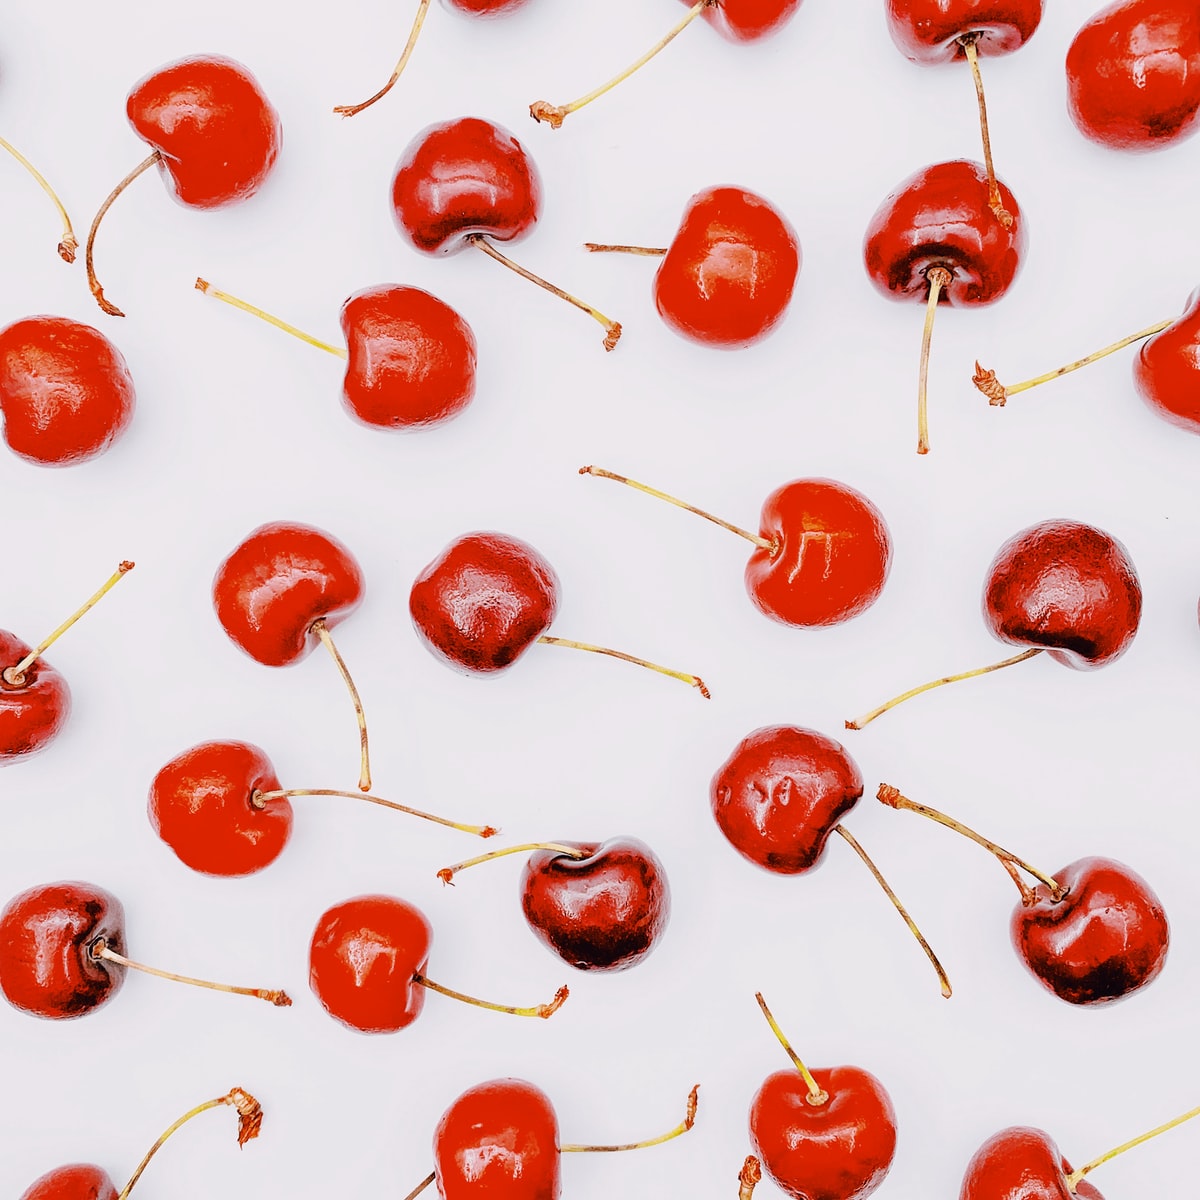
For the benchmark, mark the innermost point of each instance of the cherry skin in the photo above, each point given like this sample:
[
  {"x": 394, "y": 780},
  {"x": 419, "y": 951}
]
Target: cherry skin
[
  {"x": 747, "y": 20},
  {"x": 65, "y": 391},
  {"x": 30, "y": 715},
  {"x": 604, "y": 912},
  {"x": 1166, "y": 371},
  {"x": 411, "y": 358},
  {"x": 1022, "y": 1163},
  {"x": 79, "y": 1181},
  {"x": 1105, "y": 939},
  {"x": 486, "y": 8},
  {"x": 728, "y": 275},
  {"x": 217, "y": 135},
  {"x": 1133, "y": 74},
  {"x": 931, "y": 31},
  {"x": 46, "y": 935},
  {"x": 1067, "y": 587}
]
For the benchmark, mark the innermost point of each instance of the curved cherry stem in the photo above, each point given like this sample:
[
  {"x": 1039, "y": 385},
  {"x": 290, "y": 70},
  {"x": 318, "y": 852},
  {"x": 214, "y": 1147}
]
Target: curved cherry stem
[
  {"x": 749, "y": 1177},
  {"x": 691, "y": 680},
  {"x": 645, "y": 251},
  {"x": 69, "y": 243},
  {"x": 447, "y": 874},
  {"x": 852, "y": 842},
  {"x": 893, "y": 798},
  {"x": 995, "y": 203},
  {"x": 260, "y": 800},
  {"x": 352, "y": 110},
  {"x": 555, "y": 114},
  {"x": 683, "y": 1127},
  {"x": 998, "y": 394},
  {"x": 421, "y": 1186},
  {"x": 250, "y": 1117},
  {"x": 1078, "y": 1174},
  {"x": 612, "y": 329},
  {"x": 364, "y": 752},
  {"x": 538, "y": 1010},
  {"x": 202, "y": 285},
  {"x": 863, "y": 721},
  {"x": 15, "y": 676},
  {"x": 99, "y": 949},
  {"x": 937, "y": 278},
  {"x": 93, "y": 282},
  {"x": 816, "y": 1094}
]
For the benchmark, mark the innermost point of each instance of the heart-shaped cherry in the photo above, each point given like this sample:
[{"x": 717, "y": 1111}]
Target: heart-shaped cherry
[
  {"x": 487, "y": 598},
  {"x": 62, "y": 953},
  {"x": 1133, "y": 74},
  {"x": 727, "y": 277},
  {"x": 68, "y": 243},
  {"x": 465, "y": 182},
  {"x": 214, "y": 134},
  {"x": 935, "y": 240},
  {"x": 1060, "y": 587},
  {"x": 65, "y": 391},
  {"x": 281, "y": 591}
]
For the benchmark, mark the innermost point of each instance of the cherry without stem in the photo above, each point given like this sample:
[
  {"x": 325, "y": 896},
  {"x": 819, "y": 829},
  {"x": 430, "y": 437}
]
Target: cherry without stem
[{"x": 68, "y": 243}]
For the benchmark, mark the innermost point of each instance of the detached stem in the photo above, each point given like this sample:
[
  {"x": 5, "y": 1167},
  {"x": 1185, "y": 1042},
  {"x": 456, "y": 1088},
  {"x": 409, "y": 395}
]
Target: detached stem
[
  {"x": 69, "y": 244},
  {"x": 352, "y": 110},
  {"x": 647, "y": 251},
  {"x": 364, "y": 770},
  {"x": 692, "y": 680},
  {"x": 202, "y": 285},
  {"x": 93, "y": 282},
  {"x": 938, "y": 278},
  {"x": 994, "y": 201},
  {"x": 749, "y": 1177},
  {"x": 816, "y": 1094},
  {"x": 261, "y": 799},
  {"x": 1074, "y": 1178},
  {"x": 688, "y": 1121},
  {"x": 539, "y": 1010},
  {"x": 446, "y": 874},
  {"x": 421, "y": 1186}
]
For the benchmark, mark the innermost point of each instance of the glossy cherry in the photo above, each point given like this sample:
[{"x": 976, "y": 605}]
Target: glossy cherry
[{"x": 68, "y": 243}]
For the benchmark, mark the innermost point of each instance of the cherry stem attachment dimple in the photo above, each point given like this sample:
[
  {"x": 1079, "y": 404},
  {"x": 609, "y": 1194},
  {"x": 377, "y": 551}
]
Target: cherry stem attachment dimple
[
  {"x": 691, "y": 680},
  {"x": 202, "y": 285},
  {"x": 421, "y": 1186},
  {"x": 683, "y": 1127},
  {"x": 555, "y": 114},
  {"x": 749, "y": 1177},
  {"x": 93, "y": 282},
  {"x": 1078, "y": 1174},
  {"x": 612, "y": 328},
  {"x": 352, "y": 110},
  {"x": 260, "y": 800},
  {"x": 446, "y": 874},
  {"x": 852, "y": 842},
  {"x": 15, "y": 676},
  {"x": 816, "y": 1094},
  {"x": 937, "y": 278},
  {"x": 69, "y": 243},
  {"x": 995, "y": 203},
  {"x": 544, "y": 1011},
  {"x": 864, "y": 721},
  {"x": 645, "y": 251},
  {"x": 364, "y": 753}
]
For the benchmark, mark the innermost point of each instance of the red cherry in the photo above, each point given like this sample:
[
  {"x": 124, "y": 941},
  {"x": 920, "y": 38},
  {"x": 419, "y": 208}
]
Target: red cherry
[
  {"x": 33, "y": 713},
  {"x": 1022, "y": 1163},
  {"x": 932, "y": 31},
  {"x": 65, "y": 390},
  {"x": 486, "y": 8},
  {"x": 68, "y": 244},
  {"x": 1166, "y": 371}
]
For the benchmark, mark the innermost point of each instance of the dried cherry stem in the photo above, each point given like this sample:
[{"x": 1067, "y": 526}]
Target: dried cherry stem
[
  {"x": 864, "y": 721},
  {"x": 202, "y": 285},
  {"x": 99, "y": 949},
  {"x": 69, "y": 244},
  {"x": 250, "y": 1116},
  {"x": 15, "y": 676},
  {"x": 683, "y": 1127},
  {"x": 93, "y": 282},
  {"x": 937, "y": 278},
  {"x": 749, "y": 1177},
  {"x": 852, "y": 841},
  {"x": 893, "y": 798},
  {"x": 691, "y": 680},
  {"x": 995, "y": 203},
  {"x": 447, "y": 874},
  {"x": 352, "y": 110},
  {"x": 364, "y": 752},
  {"x": 646, "y": 251},
  {"x": 544, "y": 1011},
  {"x": 1078, "y": 1174},
  {"x": 421, "y": 1186},
  {"x": 555, "y": 114},
  {"x": 816, "y": 1094},
  {"x": 998, "y": 394},
  {"x": 612, "y": 328},
  {"x": 260, "y": 800}
]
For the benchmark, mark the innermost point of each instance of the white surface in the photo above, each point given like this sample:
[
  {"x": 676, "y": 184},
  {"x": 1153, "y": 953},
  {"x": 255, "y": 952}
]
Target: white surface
[{"x": 238, "y": 424}]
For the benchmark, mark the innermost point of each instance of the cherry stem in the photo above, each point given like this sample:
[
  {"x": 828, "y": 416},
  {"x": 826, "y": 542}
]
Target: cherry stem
[
  {"x": 995, "y": 203},
  {"x": 852, "y": 841},
  {"x": 864, "y": 721},
  {"x": 202, "y": 285},
  {"x": 1074, "y": 1178},
  {"x": 544, "y": 1011},
  {"x": 998, "y": 394},
  {"x": 937, "y": 278},
  {"x": 352, "y": 110},
  {"x": 364, "y": 769},
  {"x": 93, "y": 282},
  {"x": 69, "y": 243},
  {"x": 446, "y": 874},
  {"x": 250, "y": 1116},
  {"x": 816, "y": 1094},
  {"x": 15, "y": 676},
  {"x": 647, "y": 251},
  {"x": 893, "y": 798},
  {"x": 688, "y": 1121},
  {"x": 749, "y": 1177},
  {"x": 421, "y": 1186},
  {"x": 691, "y": 680},
  {"x": 279, "y": 998},
  {"x": 555, "y": 114},
  {"x": 612, "y": 328},
  {"x": 260, "y": 800}
]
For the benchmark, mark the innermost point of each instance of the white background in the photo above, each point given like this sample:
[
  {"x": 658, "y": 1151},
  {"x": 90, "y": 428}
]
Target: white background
[{"x": 237, "y": 424}]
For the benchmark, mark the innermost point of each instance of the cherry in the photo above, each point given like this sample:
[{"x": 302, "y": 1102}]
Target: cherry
[
  {"x": 62, "y": 953},
  {"x": 68, "y": 244},
  {"x": 1059, "y": 587},
  {"x": 1133, "y": 74},
  {"x": 727, "y": 277},
  {"x": 85, "y": 1181},
  {"x": 487, "y": 598},
  {"x": 281, "y": 591},
  {"x": 936, "y": 240},
  {"x": 220, "y": 807},
  {"x": 366, "y": 965},
  {"x": 461, "y": 183},
  {"x": 214, "y": 134}
]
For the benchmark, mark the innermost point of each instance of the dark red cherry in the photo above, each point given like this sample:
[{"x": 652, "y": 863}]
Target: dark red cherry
[
  {"x": 1022, "y": 1163},
  {"x": 932, "y": 31},
  {"x": 32, "y": 713},
  {"x": 1166, "y": 371}
]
